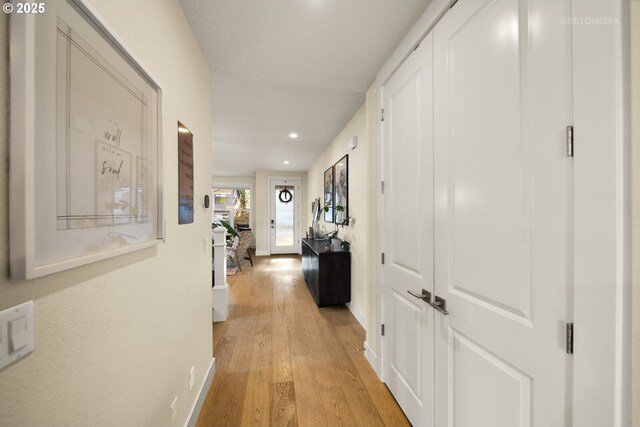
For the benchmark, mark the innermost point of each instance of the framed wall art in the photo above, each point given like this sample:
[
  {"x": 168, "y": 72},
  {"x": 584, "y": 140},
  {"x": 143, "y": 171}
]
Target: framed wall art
[
  {"x": 341, "y": 188},
  {"x": 86, "y": 119},
  {"x": 328, "y": 194},
  {"x": 185, "y": 175}
]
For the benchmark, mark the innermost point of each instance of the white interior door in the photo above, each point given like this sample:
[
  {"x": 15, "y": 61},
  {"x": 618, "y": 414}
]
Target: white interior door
[
  {"x": 285, "y": 216},
  {"x": 503, "y": 191},
  {"x": 408, "y": 234}
]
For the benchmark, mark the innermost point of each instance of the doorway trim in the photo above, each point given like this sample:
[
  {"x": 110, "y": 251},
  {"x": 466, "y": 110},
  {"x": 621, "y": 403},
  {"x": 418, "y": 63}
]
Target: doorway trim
[
  {"x": 602, "y": 180},
  {"x": 602, "y": 213},
  {"x": 297, "y": 201}
]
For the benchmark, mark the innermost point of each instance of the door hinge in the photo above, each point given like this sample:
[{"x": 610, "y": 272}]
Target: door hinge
[
  {"x": 382, "y": 116},
  {"x": 382, "y": 329},
  {"x": 569, "y": 141},
  {"x": 569, "y": 338},
  {"x": 382, "y": 186},
  {"x": 382, "y": 257}
]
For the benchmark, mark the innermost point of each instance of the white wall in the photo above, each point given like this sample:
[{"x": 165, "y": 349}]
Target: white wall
[
  {"x": 115, "y": 339},
  {"x": 362, "y": 208},
  {"x": 635, "y": 205},
  {"x": 234, "y": 179},
  {"x": 261, "y": 218}
]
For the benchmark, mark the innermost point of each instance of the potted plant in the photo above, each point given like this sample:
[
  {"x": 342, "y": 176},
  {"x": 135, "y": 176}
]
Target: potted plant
[
  {"x": 231, "y": 232},
  {"x": 336, "y": 242}
]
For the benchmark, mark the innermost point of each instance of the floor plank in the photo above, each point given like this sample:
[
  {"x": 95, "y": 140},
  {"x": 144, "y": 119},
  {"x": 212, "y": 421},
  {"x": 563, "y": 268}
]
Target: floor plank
[
  {"x": 336, "y": 409},
  {"x": 257, "y": 404},
  {"x": 308, "y": 405},
  {"x": 281, "y": 361},
  {"x": 283, "y": 404}
]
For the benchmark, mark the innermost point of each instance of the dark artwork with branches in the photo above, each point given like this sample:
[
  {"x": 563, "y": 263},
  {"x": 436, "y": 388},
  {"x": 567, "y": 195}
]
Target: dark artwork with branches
[
  {"x": 341, "y": 188},
  {"x": 328, "y": 195}
]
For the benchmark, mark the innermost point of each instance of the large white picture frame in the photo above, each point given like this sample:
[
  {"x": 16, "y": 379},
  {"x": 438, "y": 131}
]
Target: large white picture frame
[{"x": 86, "y": 143}]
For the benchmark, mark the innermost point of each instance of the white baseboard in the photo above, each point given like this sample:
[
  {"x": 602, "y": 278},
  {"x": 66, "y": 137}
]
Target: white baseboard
[
  {"x": 192, "y": 419},
  {"x": 357, "y": 314},
  {"x": 372, "y": 358},
  {"x": 262, "y": 252}
]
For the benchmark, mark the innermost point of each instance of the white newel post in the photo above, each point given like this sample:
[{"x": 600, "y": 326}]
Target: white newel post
[{"x": 220, "y": 292}]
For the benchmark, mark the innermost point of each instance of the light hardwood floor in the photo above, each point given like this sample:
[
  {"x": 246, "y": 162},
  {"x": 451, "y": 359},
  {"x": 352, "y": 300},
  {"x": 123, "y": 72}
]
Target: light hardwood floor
[{"x": 281, "y": 361}]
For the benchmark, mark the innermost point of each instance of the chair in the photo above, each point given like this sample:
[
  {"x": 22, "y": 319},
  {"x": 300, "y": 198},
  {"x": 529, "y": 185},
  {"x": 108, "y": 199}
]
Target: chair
[
  {"x": 238, "y": 250},
  {"x": 247, "y": 236},
  {"x": 232, "y": 248}
]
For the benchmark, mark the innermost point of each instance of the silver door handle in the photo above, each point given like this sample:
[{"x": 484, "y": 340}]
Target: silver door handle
[
  {"x": 440, "y": 304},
  {"x": 425, "y": 296}
]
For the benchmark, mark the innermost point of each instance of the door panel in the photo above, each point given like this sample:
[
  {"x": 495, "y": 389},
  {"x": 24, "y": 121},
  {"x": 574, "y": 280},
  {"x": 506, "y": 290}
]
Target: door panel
[
  {"x": 502, "y": 214},
  {"x": 482, "y": 382},
  {"x": 489, "y": 152},
  {"x": 404, "y": 172},
  {"x": 408, "y": 234},
  {"x": 404, "y": 359}
]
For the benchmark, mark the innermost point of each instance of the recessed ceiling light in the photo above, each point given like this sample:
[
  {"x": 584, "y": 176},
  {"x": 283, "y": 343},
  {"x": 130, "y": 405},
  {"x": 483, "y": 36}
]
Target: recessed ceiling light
[
  {"x": 286, "y": 162},
  {"x": 293, "y": 135}
]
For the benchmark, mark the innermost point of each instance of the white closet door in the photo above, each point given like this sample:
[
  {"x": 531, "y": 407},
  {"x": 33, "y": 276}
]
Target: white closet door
[
  {"x": 503, "y": 209},
  {"x": 408, "y": 234}
]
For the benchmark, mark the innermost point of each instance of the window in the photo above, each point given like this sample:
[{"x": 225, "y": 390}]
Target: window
[
  {"x": 234, "y": 206},
  {"x": 220, "y": 199}
]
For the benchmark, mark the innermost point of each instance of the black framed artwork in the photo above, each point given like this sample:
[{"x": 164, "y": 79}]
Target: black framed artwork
[
  {"x": 328, "y": 194},
  {"x": 341, "y": 188}
]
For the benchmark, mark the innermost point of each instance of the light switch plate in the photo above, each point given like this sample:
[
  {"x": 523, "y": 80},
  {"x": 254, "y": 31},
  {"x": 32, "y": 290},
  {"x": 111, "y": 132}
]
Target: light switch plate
[{"x": 16, "y": 333}]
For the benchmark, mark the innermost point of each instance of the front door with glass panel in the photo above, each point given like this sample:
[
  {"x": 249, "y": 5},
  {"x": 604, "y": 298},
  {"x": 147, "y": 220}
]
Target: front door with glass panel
[{"x": 284, "y": 222}]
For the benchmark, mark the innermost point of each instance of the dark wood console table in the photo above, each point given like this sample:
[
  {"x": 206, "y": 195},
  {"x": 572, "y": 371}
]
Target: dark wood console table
[{"x": 328, "y": 274}]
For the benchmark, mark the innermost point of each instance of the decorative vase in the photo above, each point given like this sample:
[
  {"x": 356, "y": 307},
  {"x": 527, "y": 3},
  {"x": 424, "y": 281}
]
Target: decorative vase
[{"x": 335, "y": 245}]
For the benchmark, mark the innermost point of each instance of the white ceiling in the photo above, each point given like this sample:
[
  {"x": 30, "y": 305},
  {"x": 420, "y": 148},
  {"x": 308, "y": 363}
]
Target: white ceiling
[{"x": 282, "y": 66}]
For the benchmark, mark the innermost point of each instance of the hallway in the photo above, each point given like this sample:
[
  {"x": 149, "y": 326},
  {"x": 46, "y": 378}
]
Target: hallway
[{"x": 281, "y": 361}]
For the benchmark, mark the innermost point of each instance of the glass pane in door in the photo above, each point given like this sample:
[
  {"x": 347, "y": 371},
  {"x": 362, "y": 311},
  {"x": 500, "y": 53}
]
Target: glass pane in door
[{"x": 284, "y": 218}]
